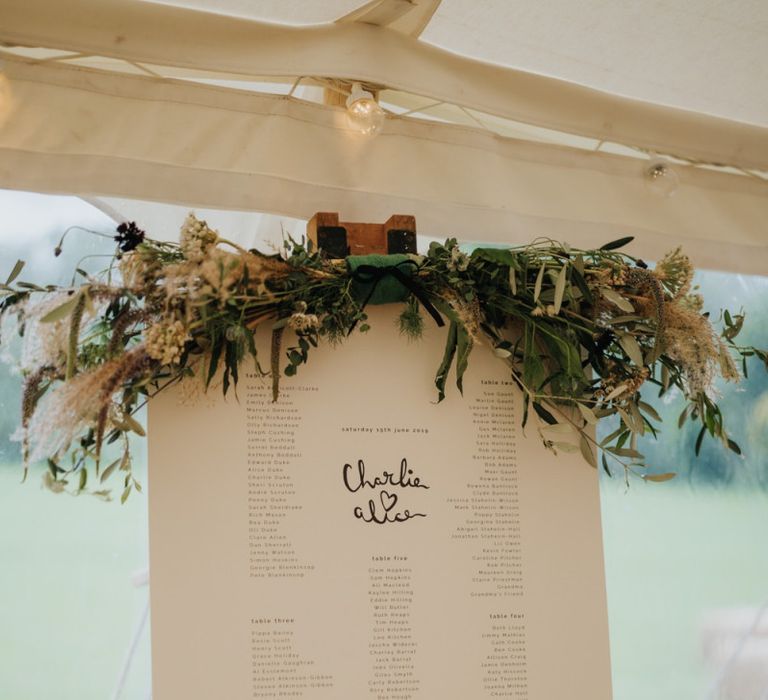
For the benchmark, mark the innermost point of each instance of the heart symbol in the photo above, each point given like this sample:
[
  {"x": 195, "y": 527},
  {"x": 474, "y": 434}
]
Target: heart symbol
[{"x": 388, "y": 500}]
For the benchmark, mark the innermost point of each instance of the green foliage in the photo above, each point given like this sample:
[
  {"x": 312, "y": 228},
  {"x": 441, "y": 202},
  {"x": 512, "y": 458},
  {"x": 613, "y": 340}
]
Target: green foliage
[
  {"x": 581, "y": 331},
  {"x": 740, "y": 460}
]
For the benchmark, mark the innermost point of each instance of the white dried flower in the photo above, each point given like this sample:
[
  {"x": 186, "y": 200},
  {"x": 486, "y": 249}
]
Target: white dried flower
[
  {"x": 302, "y": 323},
  {"x": 195, "y": 238},
  {"x": 165, "y": 341},
  {"x": 459, "y": 261},
  {"x": 220, "y": 272},
  {"x": 136, "y": 270}
]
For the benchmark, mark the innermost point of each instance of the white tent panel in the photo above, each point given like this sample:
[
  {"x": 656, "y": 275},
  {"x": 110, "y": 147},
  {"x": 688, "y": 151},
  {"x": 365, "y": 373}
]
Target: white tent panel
[
  {"x": 163, "y": 35},
  {"x": 706, "y": 56},
  {"x": 79, "y": 130}
]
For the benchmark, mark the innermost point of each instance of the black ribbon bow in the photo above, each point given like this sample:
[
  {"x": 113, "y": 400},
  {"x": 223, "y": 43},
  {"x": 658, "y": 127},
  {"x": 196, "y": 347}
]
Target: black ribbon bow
[{"x": 372, "y": 275}]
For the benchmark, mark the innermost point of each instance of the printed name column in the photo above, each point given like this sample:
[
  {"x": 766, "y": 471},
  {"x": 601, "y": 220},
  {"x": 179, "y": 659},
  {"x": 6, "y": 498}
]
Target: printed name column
[
  {"x": 277, "y": 668},
  {"x": 505, "y": 666},
  {"x": 272, "y": 452},
  {"x": 392, "y": 646},
  {"x": 491, "y": 508}
]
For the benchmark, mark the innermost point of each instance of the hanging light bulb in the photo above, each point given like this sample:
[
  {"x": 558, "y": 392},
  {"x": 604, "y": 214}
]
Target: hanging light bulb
[
  {"x": 363, "y": 112},
  {"x": 661, "y": 178}
]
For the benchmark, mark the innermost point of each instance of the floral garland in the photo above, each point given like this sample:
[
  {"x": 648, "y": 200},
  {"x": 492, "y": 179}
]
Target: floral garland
[{"x": 581, "y": 331}]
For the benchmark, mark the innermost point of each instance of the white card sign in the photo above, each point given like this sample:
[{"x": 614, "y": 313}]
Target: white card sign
[{"x": 358, "y": 540}]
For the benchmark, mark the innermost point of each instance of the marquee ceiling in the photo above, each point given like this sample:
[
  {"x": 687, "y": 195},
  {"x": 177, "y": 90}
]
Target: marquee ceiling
[
  {"x": 603, "y": 71},
  {"x": 507, "y": 119},
  {"x": 706, "y": 56}
]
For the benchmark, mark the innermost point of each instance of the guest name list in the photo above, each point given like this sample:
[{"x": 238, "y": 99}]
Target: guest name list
[{"x": 356, "y": 539}]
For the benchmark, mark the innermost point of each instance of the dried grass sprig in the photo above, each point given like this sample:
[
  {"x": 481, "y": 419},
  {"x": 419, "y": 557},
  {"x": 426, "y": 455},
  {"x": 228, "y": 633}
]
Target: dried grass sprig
[
  {"x": 30, "y": 395},
  {"x": 74, "y": 335}
]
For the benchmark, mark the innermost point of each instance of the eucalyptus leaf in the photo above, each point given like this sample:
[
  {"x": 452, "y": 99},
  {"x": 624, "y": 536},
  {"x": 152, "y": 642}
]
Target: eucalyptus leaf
[
  {"x": 616, "y": 392},
  {"x": 638, "y": 418},
  {"x": 62, "y": 311},
  {"x": 628, "y": 318},
  {"x": 134, "y": 425},
  {"x": 543, "y": 413},
  {"x": 650, "y": 410},
  {"x": 616, "y": 299},
  {"x": 587, "y": 413},
  {"x": 625, "y": 452},
  {"x": 699, "y": 439},
  {"x": 501, "y": 256},
  {"x": 587, "y": 452},
  {"x": 628, "y": 419},
  {"x": 560, "y": 287},
  {"x": 577, "y": 277},
  {"x": 539, "y": 282},
  {"x": 632, "y": 348},
  {"x": 666, "y": 476},
  {"x": 15, "y": 272},
  {"x": 109, "y": 470},
  {"x": 653, "y": 354},
  {"x": 604, "y": 462},
  {"x": 565, "y": 446},
  {"x": 618, "y": 243},
  {"x": 441, "y": 377},
  {"x": 463, "y": 349}
]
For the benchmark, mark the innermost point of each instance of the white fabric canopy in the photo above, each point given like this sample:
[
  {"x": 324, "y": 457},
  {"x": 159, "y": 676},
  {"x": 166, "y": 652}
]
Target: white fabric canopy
[
  {"x": 98, "y": 132},
  {"x": 705, "y": 56},
  {"x": 142, "y": 32}
]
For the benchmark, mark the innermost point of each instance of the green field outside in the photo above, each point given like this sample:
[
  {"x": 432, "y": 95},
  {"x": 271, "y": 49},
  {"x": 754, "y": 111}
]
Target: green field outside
[
  {"x": 671, "y": 555},
  {"x": 69, "y": 605}
]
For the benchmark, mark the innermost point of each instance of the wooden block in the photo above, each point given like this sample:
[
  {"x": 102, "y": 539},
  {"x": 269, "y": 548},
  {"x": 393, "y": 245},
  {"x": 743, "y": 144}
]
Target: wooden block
[
  {"x": 324, "y": 231},
  {"x": 404, "y": 222},
  {"x": 365, "y": 239},
  {"x": 333, "y": 240},
  {"x": 401, "y": 241},
  {"x": 322, "y": 218},
  {"x": 341, "y": 238}
]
